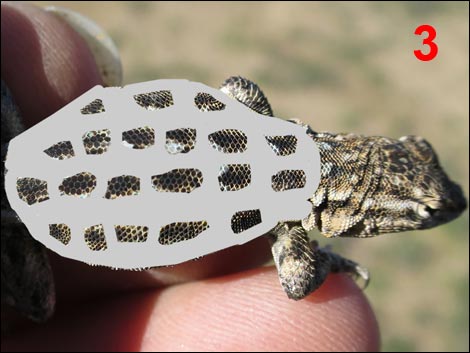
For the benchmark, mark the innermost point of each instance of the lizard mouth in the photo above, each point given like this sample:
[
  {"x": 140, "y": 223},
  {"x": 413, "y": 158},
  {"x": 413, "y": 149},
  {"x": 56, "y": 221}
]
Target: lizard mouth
[{"x": 445, "y": 210}]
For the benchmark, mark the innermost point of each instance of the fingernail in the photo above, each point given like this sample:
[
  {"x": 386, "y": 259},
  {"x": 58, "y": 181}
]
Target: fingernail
[{"x": 101, "y": 45}]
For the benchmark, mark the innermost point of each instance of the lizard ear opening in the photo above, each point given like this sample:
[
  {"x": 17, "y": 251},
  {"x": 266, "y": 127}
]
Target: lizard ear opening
[{"x": 339, "y": 222}]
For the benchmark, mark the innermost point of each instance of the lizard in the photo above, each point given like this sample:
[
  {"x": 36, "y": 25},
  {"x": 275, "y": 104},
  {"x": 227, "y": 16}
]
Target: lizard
[{"x": 368, "y": 186}]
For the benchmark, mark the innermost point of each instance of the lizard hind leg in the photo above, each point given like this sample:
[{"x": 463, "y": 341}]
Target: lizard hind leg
[
  {"x": 248, "y": 93},
  {"x": 338, "y": 264},
  {"x": 302, "y": 266}
]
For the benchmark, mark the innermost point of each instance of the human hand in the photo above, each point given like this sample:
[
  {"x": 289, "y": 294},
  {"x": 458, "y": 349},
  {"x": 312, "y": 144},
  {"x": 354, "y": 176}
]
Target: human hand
[{"x": 223, "y": 301}]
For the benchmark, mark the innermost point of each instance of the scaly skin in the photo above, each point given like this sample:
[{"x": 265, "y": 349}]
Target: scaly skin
[{"x": 368, "y": 186}]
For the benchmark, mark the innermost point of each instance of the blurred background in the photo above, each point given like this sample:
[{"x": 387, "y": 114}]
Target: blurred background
[{"x": 338, "y": 67}]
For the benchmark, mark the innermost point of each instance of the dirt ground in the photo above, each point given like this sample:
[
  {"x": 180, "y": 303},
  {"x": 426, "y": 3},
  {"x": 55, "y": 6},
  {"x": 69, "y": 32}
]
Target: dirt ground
[{"x": 338, "y": 67}]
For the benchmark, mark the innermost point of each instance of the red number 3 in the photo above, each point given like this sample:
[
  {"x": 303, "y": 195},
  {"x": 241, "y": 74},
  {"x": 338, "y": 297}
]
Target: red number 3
[{"x": 433, "y": 49}]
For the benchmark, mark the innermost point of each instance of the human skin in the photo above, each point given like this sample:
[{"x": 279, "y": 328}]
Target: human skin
[{"x": 224, "y": 301}]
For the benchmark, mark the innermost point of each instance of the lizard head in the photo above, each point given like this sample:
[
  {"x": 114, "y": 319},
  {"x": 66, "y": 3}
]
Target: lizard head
[
  {"x": 377, "y": 185},
  {"x": 417, "y": 189}
]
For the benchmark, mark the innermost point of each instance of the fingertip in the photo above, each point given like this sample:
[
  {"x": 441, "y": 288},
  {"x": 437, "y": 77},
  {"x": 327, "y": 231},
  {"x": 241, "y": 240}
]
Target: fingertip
[
  {"x": 44, "y": 62},
  {"x": 249, "y": 311},
  {"x": 246, "y": 311},
  {"x": 343, "y": 306}
]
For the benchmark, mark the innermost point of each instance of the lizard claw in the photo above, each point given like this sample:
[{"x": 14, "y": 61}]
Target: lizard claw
[{"x": 363, "y": 273}]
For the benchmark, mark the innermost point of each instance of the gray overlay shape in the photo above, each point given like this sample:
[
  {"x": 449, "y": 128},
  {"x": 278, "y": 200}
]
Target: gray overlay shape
[{"x": 151, "y": 208}]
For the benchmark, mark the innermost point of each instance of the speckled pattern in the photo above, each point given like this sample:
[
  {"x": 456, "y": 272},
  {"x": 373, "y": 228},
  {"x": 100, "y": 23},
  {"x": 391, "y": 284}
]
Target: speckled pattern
[
  {"x": 81, "y": 185},
  {"x": 60, "y": 150},
  {"x": 207, "y": 103},
  {"x": 178, "y": 180},
  {"x": 94, "y": 107},
  {"x": 123, "y": 185},
  {"x": 181, "y": 231},
  {"x": 131, "y": 234},
  {"x": 61, "y": 232},
  {"x": 229, "y": 141},
  {"x": 32, "y": 190},
  {"x": 97, "y": 141},
  {"x": 139, "y": 138},
  {"x": 154, "y": 100},
  {"x": 95, "y": 238}
]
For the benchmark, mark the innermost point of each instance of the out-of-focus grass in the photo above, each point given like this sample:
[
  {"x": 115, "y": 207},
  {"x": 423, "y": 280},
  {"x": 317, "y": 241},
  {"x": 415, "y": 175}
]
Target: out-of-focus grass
[{"x": 338, "y": 67}]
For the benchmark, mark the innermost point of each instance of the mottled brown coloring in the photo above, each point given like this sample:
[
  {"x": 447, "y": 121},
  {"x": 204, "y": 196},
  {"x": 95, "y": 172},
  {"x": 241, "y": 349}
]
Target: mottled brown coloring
[
  {"x": 228, "y": 141},
  {"x": 282, "y": 145},
  {"x": 95, "y": 238},
  {"x": 180, "y": 140},
  {"x": 181, "y": 231},
  {"x": 96, "y": 142},
  {"x": 81, "y": 185},
  {"x": 243, "y": 220},
  {"x": 233, "y": 177},
  {"x": 61, "y": 232},
  {"x": 123, "y": 185},
  {"x": 139, "y": 138},
  {"x": 131, "y": 234},
  {"x": 94, "y": 107},
  {"x": 154, "y": 100},
  {"x": 32, "y": 190},
  {"x": 288, "y": 180},
  {"x": 178, "y": 180},
  {"x": 60, "y": 150},
  {"x": 207, "y": 103}
]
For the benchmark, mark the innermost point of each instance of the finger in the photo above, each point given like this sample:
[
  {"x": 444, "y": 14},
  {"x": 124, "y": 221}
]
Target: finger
[
  {"x": 89, "y": 281},
  {"x": 78, "y": 284},
  {"x": 246, "y": 312},
  {"x": 250, "y": 312},
  {"x": 44, "y": 62}
]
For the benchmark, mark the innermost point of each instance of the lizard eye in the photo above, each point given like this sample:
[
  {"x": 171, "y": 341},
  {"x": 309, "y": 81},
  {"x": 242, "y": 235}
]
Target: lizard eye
[
  {"x": 430, "y": 210},
  {"x": 425, "y": 211}
]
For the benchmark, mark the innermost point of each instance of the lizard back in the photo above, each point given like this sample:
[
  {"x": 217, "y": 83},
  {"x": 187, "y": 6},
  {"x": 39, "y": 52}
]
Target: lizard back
[{"x": 158, "y": 173}]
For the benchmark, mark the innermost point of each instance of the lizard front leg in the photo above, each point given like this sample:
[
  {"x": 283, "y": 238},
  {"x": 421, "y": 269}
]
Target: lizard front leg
[{"x": 302, "y": 266}]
